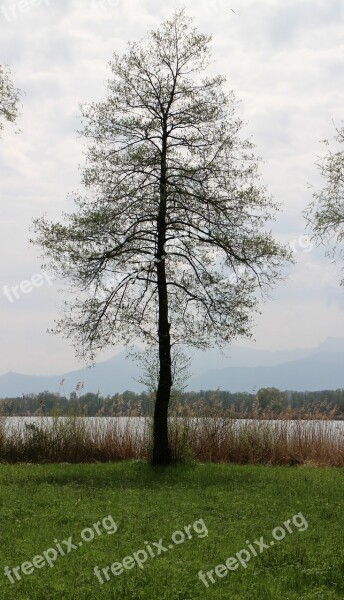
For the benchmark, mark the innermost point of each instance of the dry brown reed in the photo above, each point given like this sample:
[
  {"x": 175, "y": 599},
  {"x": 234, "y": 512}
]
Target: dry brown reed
[
  {"x": 72, "y": 439},
  {"x": 310, "y": 435},
  {"x": 200, "y": 432}
]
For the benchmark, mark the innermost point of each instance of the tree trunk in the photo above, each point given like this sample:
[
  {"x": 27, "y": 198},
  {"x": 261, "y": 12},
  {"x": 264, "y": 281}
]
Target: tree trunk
[{"x": 161, "y": 449}]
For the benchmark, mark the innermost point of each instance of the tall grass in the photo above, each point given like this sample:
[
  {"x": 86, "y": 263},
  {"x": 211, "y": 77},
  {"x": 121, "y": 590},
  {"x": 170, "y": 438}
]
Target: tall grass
[
  {"x": 72, "y": 439},
  {"x": 306, "y": 436},
  {"x": 199, "y": 433}
]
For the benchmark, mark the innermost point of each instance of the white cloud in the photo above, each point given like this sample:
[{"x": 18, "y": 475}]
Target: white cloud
[{"x": 283, "y": 59}]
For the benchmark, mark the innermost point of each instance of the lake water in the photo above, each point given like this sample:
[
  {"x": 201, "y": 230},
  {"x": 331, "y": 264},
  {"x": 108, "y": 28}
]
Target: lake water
[{"x": 97, "y": 425}]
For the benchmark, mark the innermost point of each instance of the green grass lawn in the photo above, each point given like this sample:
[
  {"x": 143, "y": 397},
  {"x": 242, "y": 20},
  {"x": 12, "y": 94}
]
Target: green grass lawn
[{"x": 234, "y": 504}]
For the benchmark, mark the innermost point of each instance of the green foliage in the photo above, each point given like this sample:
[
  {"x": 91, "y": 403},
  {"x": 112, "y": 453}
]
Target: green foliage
[
  {"x": 325, "y": 214},
  {"x": 47, "y": 403},
  {"x": 272, "y": 399},
  {"x": 9, "y": 97}
]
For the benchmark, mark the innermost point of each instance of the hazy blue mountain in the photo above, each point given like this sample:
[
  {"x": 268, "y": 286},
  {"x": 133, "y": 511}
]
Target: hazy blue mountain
[
  {"x": 320, "y": 371},
  {"x": 245, "y": 357},
  {"x": 113, "y": 375},
  {"x": 241, "y": 369}
]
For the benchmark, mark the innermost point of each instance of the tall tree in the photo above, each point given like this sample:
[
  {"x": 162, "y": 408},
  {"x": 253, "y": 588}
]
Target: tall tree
[
  {"x": 169, "y": 243},
  {"x": 9, "y": 97},
  {"x": 325, "y": 213}
]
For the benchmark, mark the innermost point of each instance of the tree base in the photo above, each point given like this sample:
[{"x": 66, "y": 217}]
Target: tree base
[{"x": 161, "y": 458}]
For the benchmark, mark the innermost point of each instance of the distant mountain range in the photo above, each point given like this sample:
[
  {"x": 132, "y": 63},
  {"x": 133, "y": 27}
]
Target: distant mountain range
[
  {"x": 322, "y": 371},
  {"x": 238, "y": 370}
]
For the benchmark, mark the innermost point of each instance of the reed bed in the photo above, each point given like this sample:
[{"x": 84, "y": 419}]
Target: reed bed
[
  {"x": 71, "y": 439},
  {"x": 199, "y": 433},
  {"x": 309, "y": 435}
]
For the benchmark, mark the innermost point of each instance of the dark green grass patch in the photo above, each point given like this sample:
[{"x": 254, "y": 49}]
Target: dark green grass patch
[{"x": 43, "y": 503}]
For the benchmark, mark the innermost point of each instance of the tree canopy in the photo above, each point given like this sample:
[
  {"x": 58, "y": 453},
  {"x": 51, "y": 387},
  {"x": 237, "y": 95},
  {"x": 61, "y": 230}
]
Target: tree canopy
[
  {"x": 9, "y": 97},
  {"x": 325, "y": 214}
]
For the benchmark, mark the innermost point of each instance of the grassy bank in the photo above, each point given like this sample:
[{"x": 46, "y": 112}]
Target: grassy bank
[
  {"x": 42, "y": 505},
  {"x": 217, "y": 437}
]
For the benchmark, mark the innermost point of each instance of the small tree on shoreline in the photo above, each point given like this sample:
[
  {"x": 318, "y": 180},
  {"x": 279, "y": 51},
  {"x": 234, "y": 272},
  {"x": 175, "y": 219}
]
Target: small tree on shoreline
[{"x": 171, "y": 238}]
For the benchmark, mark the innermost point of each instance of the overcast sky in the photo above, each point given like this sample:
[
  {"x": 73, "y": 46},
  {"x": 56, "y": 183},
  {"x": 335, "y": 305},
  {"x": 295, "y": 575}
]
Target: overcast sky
[{"x": 285, "y": 61}]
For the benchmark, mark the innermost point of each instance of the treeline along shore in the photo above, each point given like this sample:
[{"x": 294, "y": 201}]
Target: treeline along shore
[{"x": 265, "y": 403}]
